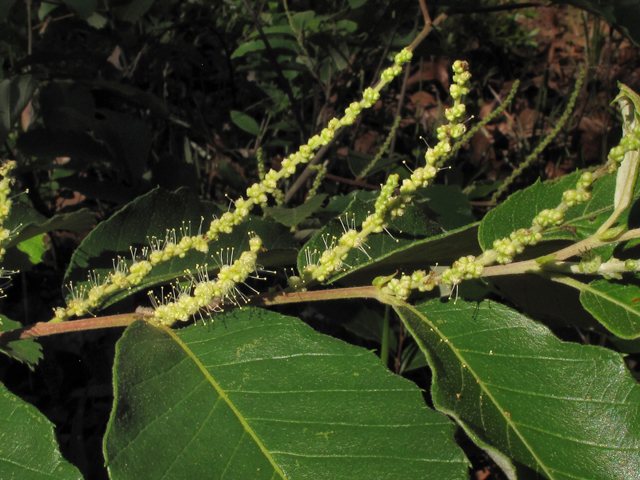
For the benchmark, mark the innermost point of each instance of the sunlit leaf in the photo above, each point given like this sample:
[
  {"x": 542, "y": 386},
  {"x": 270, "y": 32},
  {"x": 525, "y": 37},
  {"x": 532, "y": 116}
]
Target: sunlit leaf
[
  {"x": 260, "y": 395},
  {"x": 615, "y": 305},
  {"x": 28, "y": 443},
  {"x": 245, "y": 122},
  {"x": 558, "y": 410}
]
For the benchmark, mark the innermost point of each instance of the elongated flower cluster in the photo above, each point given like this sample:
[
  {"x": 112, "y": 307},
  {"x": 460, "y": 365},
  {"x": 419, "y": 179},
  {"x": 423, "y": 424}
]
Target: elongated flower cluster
[
  {"x": 258, "y": 193},
  {"x": 503, "y": 251},
  {"x": 5, "y": 209},
  {"x": 389, "y": 204},
  {"x": 87, "y": 298},
  {"x": 5, "y": 200},
  {"x": 203, "y": 293}
]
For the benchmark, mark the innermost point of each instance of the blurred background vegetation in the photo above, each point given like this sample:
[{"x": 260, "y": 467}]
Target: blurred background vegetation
[{"x": 103, "y": 100}]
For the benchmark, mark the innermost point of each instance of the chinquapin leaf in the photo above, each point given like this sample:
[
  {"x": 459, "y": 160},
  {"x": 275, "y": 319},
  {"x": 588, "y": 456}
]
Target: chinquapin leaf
[
  {"x": 615, "y": 305},
  {"x": 260, "y": 395},
  {"x": 28, "y": 351},
  {"x": 28, "y": 443},
  {"x": 541, "y": 407}
]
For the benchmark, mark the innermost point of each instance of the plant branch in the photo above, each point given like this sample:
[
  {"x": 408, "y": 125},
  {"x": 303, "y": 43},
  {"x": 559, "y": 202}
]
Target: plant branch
[
  {"x": 556, "y": 261},
  {"x": 307, "y": 171},
  {"x": 44, "y": 329}
]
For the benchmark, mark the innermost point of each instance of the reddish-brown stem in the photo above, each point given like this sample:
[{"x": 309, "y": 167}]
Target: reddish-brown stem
[
  {"x": 355, "y": 183},
  {"x": 44, "y": 329},
  {"x": 318, "y": 295}
]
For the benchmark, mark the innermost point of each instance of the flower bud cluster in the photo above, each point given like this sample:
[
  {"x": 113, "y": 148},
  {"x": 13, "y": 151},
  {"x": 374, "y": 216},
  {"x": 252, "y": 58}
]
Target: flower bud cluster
[
  {"x": 388, "y": 205},
  {"x": 465, "y": 268},
  {"x": 200, "y": 295},
  {"x": 5, "y": 201},
  {"x": 378, "y": 220},
  {"x": 170, "y": 248},
  {"x": 505, "y": 249},
  {"x": 85, "y": 299},
  {"x": 628, "y": 143},
  {"x": 258, "y": 193},
  {"x": 549, "y": 217},
  {"x": 418, "y": 280},
  {"x": 332, "y": 259},
  {"x": 123, "y": 277},
  {"x": 592, "y": 264},
  {"x": 421, "y": 177}
]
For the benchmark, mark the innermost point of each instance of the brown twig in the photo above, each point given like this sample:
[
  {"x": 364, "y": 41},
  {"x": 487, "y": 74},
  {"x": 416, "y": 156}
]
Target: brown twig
[
  {"x": 44, "y": 329},
  {"x": 307, "y": 171},
  {"x": 355, "y": 183}
]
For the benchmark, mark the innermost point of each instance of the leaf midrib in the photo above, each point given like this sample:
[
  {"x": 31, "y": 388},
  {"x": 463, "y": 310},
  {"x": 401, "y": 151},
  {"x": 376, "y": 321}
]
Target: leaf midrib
[
  {"x": 226, "y": 398},
  {"x": 462, "y": 360}
]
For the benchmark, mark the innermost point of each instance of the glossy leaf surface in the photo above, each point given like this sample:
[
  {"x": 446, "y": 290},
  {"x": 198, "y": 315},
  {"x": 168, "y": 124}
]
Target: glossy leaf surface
[
  {"x": 27, "y": 223},
  {"x": 558, "y": 410},
  {"x": 28, "y": 446},
  {"x": 614, "y": 305},
  {"x": 581, "y": 221},
  {"x": 261, "y": 395}
]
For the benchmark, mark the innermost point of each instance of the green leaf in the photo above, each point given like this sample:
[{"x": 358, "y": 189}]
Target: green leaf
[
  {"x": 581, "y": 221},
  {"x": 291, "y": 46},
  {"x": 25, "y": 351},
  {"x": 28, "y": 443},
  {"x": 97, "y": 21},
  {"x": 291, "y": 217},
  {"x": 28, "y": 223},
  {"x": 133, "y": 10},
  {"x": 34, "y": 248},
  {"x": 149, "y": 219},
  {"x": 451, "y": 205},
  {"x": 261, "y": 395},
  {"x": 15, "y": 95},
  {"x": 245, "y": 122},
  {"x": 356, "y": 3},
  {"x": 614, "y": 305},
  {"x": 558, "y": 410}
]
